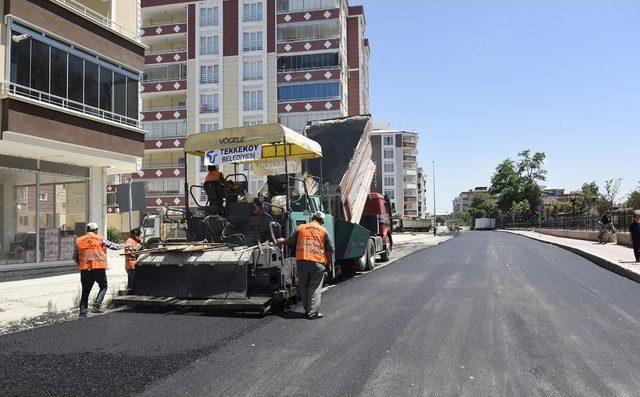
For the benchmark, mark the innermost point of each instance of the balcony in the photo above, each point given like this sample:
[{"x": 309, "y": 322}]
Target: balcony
[
  {"x": 155, "y": 171},
  {"x": 165, "y": 129},
  {"x": 153, "y": 113},
  {"x": 106, "y": 22},
  {"x": 67, "y": 105},
  {"x": 310, "y": 106},
  {"x": 301, "y": 6},
  {"x": 408, "y": 145},
  {"x": 409, "y": 172},
  {"x": 409, "y": 158},
  {"x": 165, "y": 78},
  {"x": 410, "y": 152}
]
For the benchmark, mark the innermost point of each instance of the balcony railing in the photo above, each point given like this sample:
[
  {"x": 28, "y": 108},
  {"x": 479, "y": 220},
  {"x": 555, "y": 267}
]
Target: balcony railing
[
  {"x": 167, "y": 51},
  {"x": 170, "y": 21},
  {"x": 146, "y": 166},
  {"x": 8, "y": 88},
  {"x": 165, "y": 73},
  {"x": 163, "y": 108},
  {"x": 165, "y": 130},
  {"x": 308, "y": 38},
  {"x": 98, "y": 18}
]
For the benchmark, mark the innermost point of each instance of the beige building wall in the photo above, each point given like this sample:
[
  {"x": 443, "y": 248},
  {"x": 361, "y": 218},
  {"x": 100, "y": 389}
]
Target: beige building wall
[
  {"x": 230, "y": 106},
  {"x": 126, "y": 14},
  {"x": 271, "y": 97}
]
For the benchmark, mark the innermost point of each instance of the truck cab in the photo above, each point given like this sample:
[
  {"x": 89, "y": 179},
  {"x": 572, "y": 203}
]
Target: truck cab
[{"x": 376, "y": 217}]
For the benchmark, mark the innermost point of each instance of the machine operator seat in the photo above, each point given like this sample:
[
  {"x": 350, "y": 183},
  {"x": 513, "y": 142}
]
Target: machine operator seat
[{"x": 215, "y": 195}]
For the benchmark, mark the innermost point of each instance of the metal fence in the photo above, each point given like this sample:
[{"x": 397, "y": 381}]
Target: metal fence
[{"x": 621, "y": 221}]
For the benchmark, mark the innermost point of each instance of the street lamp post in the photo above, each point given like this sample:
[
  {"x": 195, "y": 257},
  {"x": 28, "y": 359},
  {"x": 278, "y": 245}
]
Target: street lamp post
[{"x": 435, "y": 224}]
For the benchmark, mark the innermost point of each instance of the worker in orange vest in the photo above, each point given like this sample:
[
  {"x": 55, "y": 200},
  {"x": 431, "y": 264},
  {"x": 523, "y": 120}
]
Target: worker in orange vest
[
  {"x": 132, "y": 245},
  {"x": 213, "y": 175},
  {"x": 91, "y": 256},
  {"x": 314, "y": 253}
]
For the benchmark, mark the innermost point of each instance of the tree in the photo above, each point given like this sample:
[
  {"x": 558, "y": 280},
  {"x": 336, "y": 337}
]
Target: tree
[
  {"x": 611, "y": 191},
  {"x": 483, "y": 206},
  {"x": 521, "y": 209},
  {"x": 633, "y": 200},
  {"x": 464, "y": 216},
  {"x": 517, "y": 182},
  {"x": 589, "y": 194}
]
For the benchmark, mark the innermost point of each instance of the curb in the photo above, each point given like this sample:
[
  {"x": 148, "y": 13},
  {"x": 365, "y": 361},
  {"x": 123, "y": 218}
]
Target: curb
[{"x": 604, "y": 263}]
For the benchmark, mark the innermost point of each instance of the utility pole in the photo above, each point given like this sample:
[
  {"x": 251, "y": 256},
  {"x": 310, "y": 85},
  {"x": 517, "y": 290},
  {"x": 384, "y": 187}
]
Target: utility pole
[{"x": 435, "y": 225}]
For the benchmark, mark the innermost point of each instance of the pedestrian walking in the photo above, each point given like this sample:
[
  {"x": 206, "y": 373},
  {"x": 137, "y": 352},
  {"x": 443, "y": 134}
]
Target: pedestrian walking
[
  {"x": 132, "y": 245},
  {"x": 314, "y": 252},
  {"x": 634, "y": 230},
  {"x": 91, "y": 256}
]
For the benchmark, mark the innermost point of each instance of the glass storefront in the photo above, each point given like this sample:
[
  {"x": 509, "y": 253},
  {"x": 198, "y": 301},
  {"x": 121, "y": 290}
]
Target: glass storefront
[{"x": 41, "y": 213}]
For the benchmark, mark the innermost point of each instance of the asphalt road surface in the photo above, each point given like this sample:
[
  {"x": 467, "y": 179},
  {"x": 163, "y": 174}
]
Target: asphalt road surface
[{"x": 487, "y": 313}]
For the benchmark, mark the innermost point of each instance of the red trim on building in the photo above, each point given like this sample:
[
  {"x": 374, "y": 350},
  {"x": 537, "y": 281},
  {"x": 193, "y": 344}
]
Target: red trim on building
[
  {"x": 306, "y": 46},
  {"x": 164, "y": 86},
  {"x": 311, "y": 75},
  {"x": 111, "y": 189},
  {"x": 164, "y": 115},
  {"x": 166, "y": 57},
  {"x": 356, "y": 10},
  {"x": 271, "y": 26},
  {"x": 353, "y": 105},
  {"x": 191, "y": 36},
  {"x": 171, "y": 201},
  {"x": 153, "y": 144},
  {"x": 317, "y": 15},
  {"x": 230, "y": 27},
  {"x": 156, "y": 173},
  {"x": 163, "y": 30},
  {"x": 353, "y": 42},
  {"x": 309, "y": 106}
]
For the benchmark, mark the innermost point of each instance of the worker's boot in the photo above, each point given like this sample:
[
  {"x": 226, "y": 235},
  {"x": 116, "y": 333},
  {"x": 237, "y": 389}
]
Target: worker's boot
[
  {"x": 314, "y": 316},
  {"x": 97, "y": 310}
]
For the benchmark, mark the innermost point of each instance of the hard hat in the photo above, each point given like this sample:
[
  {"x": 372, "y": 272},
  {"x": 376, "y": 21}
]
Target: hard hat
[
  {"x": 92, "y": 226},
  {"x": 319, "y": 215}
]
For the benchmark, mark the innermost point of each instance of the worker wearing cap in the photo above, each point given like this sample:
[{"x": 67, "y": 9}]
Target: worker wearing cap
[
  {"x": 132, "y": 244},
  {"x": 314, "y": 252},
  {"x": 91, "y": 256}
]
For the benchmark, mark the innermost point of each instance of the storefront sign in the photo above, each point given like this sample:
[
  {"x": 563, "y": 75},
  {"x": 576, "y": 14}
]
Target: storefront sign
[{"x": 235, "y": 154}]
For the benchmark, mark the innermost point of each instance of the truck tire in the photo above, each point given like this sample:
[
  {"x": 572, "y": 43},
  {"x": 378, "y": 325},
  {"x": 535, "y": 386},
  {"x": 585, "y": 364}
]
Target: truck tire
[
  {"x": 153, "y": 243},
  {"x": 371, "y": 255}
]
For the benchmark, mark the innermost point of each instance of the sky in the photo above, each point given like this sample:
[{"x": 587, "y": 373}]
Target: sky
[{"x": 481, "y": 80}]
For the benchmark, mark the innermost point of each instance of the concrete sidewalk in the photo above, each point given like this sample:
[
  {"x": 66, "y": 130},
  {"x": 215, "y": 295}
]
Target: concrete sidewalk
[
  {"x": 617, "y": 258},
  {"x": 24, "y": 299}
]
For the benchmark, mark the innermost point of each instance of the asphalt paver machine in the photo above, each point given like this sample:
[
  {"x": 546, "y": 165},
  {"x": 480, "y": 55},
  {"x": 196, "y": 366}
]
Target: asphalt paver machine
[{"x": 229, "y": 260}]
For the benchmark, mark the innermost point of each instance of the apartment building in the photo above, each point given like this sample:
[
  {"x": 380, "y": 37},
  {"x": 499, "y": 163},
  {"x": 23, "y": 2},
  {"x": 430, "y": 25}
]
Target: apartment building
[
  {"x": 395, "y": 153},
  {"x": 422, "y": 194},
  {"x": 464, "y": 199},
  {"x": 69, "y": 120},
  {"x": 215, "y": 64}
]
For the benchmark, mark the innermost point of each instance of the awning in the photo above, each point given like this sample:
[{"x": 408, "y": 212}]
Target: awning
[{"x": 274, "y": 138}]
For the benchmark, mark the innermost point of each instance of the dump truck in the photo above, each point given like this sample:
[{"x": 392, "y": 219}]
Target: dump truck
[
  {"x": 413, "y": 224},
  {"x": 229, "y": 259}
]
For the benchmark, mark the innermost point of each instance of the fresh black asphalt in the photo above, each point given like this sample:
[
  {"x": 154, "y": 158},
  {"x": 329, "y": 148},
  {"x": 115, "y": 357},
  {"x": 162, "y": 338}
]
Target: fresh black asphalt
[{"x": 486, "y": 313}]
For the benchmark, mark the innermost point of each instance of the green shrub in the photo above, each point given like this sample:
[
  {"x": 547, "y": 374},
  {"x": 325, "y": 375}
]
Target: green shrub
[{"x": 114, "y": 235}]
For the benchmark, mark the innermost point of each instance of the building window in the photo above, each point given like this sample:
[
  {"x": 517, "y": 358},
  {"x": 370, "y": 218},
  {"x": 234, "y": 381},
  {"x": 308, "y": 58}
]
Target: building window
[
  {"x": 252, "y": 12},
  {"x": 298, "y": 122},
  {"x": 388, "y": 140},
  {"x": 388, "y": 167},
  {"x": 164, "y": 187},
  {"x": 389, "y": 181},
  {"x": 209, "y": 103},
  {"x": 252, "y": 100},
  {"x": 308, "y": 61},
  {"x": 390, "y": 193},
  {"x": 165, "y": 129},
  {"x": 309, "y": 31},
  {"x": 73, "y": 79},
  {"x": 248, "y": 123},
  {"x": 208, "y": 127},
  {"x": 209, "y": 74},
  {"x": 252, "y": 41},
  {"x": 209, "y": 16},
  {"x": 387, "y": 153},
  {"x": 311, "y": 91},
  {"x": 252, "y": 70},
  {"x": 209, "y": 45}
]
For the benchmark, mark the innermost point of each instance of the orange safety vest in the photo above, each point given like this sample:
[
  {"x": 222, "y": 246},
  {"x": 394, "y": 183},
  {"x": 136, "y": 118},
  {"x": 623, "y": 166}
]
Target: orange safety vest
[
  {"x": 213, "y": 176},
  {"x": 311, "y": 241},
  {"x": 130, "y": 258},
  {"x": 92, "y": 254}
]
